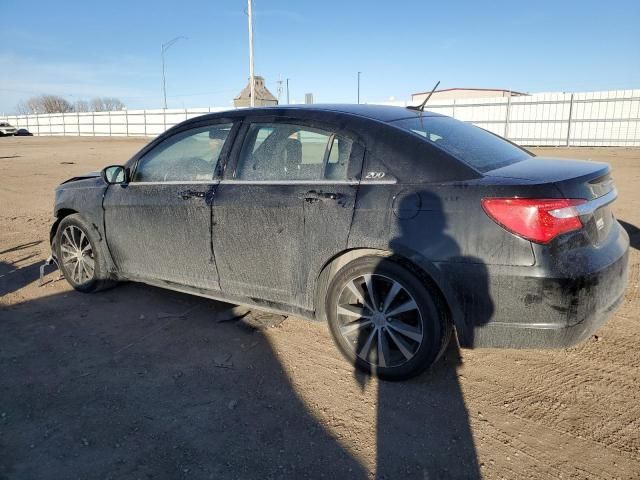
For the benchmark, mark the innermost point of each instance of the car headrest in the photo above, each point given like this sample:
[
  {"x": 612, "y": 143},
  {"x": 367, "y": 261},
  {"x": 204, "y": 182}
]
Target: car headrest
[{"x": 293, "y": 151}]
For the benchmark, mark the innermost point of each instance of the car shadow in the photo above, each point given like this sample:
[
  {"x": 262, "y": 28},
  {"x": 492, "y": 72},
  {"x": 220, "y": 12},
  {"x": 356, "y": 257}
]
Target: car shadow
[
  {"x": 142, "y": 382},
  {"x": 423, "y": 428},
  {"x": 634, "y": 233},
  {"x": 139, "y": 382}
]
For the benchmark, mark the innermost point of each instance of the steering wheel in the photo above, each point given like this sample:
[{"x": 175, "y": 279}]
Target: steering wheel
[{"x": 188, "y": 169}]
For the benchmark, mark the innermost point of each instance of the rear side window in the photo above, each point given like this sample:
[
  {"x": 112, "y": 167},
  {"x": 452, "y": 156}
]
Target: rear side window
[
  {"x": 474, "y": 146},
  {"x": 282, "y": 151}
]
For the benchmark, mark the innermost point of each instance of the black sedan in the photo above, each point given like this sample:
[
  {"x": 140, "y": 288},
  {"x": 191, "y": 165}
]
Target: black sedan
[{"x": 395, "y": 226}]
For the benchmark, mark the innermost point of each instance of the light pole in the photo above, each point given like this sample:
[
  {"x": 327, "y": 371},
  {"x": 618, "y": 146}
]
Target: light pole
[
  {"x": 287, "y": 91},
  {"x": 165, "y": 47},
  {"x": 251, "y": 78},
  {"x": 359, "y": 86}
]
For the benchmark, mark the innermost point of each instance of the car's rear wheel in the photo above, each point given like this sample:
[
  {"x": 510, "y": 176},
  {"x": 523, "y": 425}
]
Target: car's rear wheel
[
  {"x": 79, "y": 259},
  {"x": 385, "y": 319}
]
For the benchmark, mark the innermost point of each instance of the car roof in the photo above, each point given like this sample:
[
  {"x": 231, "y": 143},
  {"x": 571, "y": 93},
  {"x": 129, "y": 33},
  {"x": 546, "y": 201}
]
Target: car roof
[
  {"x": 382, "y": 113},
  {"x": 371, "y": 125}
]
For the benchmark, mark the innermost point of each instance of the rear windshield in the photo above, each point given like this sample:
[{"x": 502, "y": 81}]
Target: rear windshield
[{"x": 476, "y": 147}]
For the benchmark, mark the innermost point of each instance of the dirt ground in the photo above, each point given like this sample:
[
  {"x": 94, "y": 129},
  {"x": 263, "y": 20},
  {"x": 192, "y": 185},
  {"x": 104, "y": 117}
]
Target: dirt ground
[{"x": 138, "y": 382}]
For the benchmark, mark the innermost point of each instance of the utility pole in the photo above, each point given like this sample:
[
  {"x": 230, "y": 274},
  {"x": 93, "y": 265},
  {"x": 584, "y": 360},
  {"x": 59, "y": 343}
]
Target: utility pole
[
  {"x": 288, "y": 91},
  {"x": 165, "y": 47},
  {"x": 251, "y": 78},
  {"x": 359, "y": 87}
]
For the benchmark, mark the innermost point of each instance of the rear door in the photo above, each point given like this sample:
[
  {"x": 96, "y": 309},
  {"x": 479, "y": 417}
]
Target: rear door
[
  {"x": 158, "y": 226},
  {"x": 284, "y": 206}
]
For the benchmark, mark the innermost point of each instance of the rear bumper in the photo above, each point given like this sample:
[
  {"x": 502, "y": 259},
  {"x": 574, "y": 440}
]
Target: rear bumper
[
  {"x": 563, "y": 318},
  {"x": 536, "y": 307}
]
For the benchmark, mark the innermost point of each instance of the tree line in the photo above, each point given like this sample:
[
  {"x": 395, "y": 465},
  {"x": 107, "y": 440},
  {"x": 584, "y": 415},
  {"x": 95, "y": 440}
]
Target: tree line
[{"x": 58, "y": 104}]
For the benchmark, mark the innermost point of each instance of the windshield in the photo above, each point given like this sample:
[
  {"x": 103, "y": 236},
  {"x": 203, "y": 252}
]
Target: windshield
[{"x": 476, "y": 147}]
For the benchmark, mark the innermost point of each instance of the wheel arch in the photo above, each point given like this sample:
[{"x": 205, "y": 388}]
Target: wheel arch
[
  {"x": 60, "y": 214},
  {"x": 64, "y": 212},
  {"x": 426, "y": 270}
]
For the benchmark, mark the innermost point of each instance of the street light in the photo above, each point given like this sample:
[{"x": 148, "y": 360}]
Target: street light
[
  {"x": 287, "y": 91},
  {"x": 252, "y": 88},
  {"x": 165, "y": 47}
]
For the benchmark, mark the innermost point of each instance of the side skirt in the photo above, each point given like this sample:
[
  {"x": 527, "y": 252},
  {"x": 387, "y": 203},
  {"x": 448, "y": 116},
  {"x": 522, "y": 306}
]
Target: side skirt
[{"x": 256, "y": 303}]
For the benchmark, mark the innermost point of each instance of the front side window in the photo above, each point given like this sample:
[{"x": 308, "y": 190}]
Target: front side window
[
  {"x": 279, "y": 151},
  {"x": 187, "y": 156}
]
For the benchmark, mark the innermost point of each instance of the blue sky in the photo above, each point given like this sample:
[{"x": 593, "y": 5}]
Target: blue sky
[{"x": 81, "y": 49}]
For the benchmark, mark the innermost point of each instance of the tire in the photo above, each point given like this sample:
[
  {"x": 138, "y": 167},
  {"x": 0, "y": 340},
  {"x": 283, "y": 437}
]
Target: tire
[
  {"x": 409, "y": 312},
  {"x": 79, "y": 256}
]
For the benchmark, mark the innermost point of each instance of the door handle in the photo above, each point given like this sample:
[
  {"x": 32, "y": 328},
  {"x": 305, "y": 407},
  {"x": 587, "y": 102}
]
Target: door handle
[
  {"x": 312, "y": 195},
  {"x": 187, "y": 194}
]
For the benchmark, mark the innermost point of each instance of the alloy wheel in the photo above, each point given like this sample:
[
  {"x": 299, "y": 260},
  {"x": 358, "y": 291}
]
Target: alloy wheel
[
  {"x": 77, "y": 255},
  {"x": 379, "y": 320}
]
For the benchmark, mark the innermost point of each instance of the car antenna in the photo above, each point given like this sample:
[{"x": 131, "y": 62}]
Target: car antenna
[{"x": 420, "y": 107}]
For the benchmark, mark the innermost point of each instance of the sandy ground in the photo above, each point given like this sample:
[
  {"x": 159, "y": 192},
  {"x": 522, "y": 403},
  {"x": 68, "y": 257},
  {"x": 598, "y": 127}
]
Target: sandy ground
[{"x": 137, "y": 382}]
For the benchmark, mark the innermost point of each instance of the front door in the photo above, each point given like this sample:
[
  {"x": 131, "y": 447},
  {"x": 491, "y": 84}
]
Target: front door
[
  {"x": 158, "y": 226},
  {"x": 285, "y": 202}
]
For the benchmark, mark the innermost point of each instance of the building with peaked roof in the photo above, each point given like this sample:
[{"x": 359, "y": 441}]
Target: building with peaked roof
[
  {"x": 264, "y": 98},
  {"x": 456, "y": 93}
]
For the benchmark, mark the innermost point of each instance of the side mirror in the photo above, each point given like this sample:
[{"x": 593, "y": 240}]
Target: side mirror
[{"x": 115, "y": 174}]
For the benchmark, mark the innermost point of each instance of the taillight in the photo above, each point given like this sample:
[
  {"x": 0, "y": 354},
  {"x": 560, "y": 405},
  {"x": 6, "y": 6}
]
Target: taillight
[{"x": 538, "y": 220}]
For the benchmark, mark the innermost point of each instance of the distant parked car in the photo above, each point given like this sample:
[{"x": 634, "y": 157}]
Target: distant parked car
[
  {"x": 23, "y": 132},
  {"x": 393, "y": 225},
  {"x": 6, "y": 129}
]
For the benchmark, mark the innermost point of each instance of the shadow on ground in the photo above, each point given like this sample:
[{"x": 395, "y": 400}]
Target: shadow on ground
[
  {"x": 109, "y": 386},
  {"x": 423, "y": 428},
  {"x": 139, "y": 382},
  {"x": 24, "y": 246},
  {"x": 634, "y": 233},
  {"x": 13, "y": 278}
]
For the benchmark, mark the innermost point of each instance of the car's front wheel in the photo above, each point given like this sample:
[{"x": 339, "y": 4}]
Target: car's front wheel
[
  {"x": 79, "y": 259},
  {"x": 385, "y": 319}
]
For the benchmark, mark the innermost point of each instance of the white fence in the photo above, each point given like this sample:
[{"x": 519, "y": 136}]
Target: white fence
[
  {"x": 609, "y": 118},
  {"x": 120, "y": 123}
]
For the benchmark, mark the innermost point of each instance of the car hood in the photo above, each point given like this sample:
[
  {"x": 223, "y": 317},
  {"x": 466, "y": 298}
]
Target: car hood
[{"x": 82, "y": 177}]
